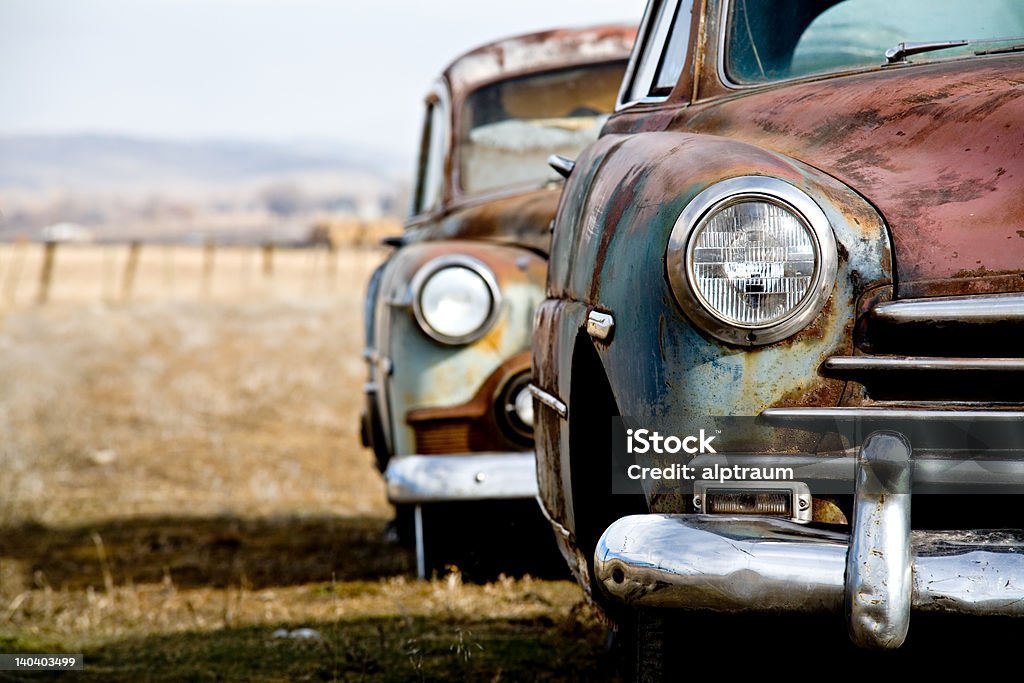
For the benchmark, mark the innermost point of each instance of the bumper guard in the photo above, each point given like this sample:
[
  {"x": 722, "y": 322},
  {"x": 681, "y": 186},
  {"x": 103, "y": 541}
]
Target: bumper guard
[{"x": 877, "y": 573}]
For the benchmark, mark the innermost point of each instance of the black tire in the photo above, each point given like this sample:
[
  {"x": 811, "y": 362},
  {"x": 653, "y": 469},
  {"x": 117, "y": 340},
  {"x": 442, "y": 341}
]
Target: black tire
[
  {"x": 482, "y": 538},
  {"x": 646, "y": 646}
]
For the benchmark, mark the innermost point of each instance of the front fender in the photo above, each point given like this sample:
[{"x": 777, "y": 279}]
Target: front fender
[
  {"x": 616, "y": 217},
  {"x": 426, "y": 374}
]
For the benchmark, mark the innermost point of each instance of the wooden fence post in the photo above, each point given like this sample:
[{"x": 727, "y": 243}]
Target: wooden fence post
[
  {"x": 268, "y": 259},
  {"x": 46, "y": 272},
  {"x": 332, "y": 266},
  {"x": 131, "y": 264},
  {"x": 209, "y": 253}
]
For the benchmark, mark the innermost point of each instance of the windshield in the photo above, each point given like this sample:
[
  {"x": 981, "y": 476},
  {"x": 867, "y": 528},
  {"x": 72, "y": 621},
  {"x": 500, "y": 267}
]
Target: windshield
[
  {"x": 768, "y": 41},
  {"x": 510, "y": 128}
]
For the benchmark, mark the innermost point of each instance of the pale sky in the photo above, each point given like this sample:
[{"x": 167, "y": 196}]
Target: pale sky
[{"x": 343, "y": 70}]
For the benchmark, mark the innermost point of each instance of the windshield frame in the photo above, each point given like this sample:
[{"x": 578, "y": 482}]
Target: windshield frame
[
  {"x": 458, "y": 113},
  {"x": 721, "y": 47}
]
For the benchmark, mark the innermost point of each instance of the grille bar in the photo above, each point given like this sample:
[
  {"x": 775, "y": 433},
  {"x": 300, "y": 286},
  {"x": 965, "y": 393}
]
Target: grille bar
[
  {"x": 852, "y": 367},
  {"x": 971, "y": 310}
]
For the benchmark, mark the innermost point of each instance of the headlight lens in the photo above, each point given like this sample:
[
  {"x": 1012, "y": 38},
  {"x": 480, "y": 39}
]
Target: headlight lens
[
  {"x": 455, "y": 300},
  {"x": 753, "y": 262},
  {"x": 523, "y": 405}
]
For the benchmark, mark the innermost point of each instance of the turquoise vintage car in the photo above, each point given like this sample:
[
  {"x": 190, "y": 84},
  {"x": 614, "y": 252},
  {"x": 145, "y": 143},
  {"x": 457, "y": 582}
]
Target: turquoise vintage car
[
  {"x": 802, "y": 232},
  {"x": 449, "y": 314}
]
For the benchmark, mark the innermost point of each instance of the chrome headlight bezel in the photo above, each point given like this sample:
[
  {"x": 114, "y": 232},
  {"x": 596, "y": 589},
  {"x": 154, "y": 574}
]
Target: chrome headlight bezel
[
  {"x": 433, "y": 267},
  {"x": 679, "y": 257}
]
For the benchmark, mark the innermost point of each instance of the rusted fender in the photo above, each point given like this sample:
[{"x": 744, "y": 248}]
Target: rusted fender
[
  {"x": 557, "y": 324},
  {"x": 615, "y": 223},
  {"x": 938, "y": 148},
  {"x": 520, "y": 218},
  {"x": 425, "y": 373}
]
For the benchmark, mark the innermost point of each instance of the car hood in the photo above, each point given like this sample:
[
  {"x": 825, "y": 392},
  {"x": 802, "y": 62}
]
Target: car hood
[
  {"x": 937, "y": 148},
  {"x": 522, "y": 219}
]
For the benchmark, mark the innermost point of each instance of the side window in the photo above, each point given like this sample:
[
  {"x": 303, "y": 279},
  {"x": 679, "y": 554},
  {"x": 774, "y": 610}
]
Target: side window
[
  {"x": 662, "y": 50},
  {"x": 432, "y": 154}
]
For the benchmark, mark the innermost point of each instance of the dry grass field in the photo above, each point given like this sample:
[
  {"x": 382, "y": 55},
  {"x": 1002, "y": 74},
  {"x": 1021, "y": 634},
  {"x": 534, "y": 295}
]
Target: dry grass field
[{"x": 181, "y": 485}]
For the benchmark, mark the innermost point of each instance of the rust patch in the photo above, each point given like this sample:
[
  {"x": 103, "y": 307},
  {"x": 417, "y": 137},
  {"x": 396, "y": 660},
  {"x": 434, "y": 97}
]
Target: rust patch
[
  {"x": 827, "y": 511},
  {"x": 470, "y": 426},
  {"x": 899, "y": 137},
  {"x": 670, "y": 503},
  {"x": 983, "y": 282},
  {"x": 522, "y": 219}
]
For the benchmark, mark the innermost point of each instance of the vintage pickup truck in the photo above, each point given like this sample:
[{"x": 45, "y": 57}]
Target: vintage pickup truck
[
  {"x": 806, "y": 217},
  {"x": 449, "y": 314}
]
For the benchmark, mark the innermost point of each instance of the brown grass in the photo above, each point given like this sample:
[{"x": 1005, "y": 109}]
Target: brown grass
[{"x": 180, "y": 477}]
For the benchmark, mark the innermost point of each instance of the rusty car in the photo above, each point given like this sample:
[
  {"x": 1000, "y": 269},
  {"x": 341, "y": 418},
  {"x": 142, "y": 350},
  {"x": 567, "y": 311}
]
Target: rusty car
[
  {"x": 449, "y": 314},
  {"x": 807, "y": 216}
]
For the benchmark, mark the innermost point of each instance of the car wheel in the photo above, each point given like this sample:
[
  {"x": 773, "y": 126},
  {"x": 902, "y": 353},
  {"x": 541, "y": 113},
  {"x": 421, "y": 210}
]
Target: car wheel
[{"x": 646, "y": 646}]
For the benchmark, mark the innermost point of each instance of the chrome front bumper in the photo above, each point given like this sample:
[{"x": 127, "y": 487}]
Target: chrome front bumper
[
  {"x": 877, "y": 573},
  {"x": 419, "y": 479}
]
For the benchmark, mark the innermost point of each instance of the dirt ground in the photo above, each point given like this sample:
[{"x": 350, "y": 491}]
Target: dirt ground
[{"x": 182, "y": 491}]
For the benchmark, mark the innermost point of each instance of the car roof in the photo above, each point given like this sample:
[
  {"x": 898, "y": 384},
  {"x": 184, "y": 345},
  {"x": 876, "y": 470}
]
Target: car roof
[{"x": 540, "y": 51}]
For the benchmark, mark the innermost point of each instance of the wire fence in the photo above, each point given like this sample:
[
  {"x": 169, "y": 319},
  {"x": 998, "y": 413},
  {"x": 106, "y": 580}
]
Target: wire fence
[{"x": 53, "y": 272}]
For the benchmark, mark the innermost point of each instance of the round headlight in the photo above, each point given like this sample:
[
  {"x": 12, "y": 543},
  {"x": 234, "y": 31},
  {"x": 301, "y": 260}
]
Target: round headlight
[
  {"x": 455, "y": 299},
  {"x": 751, "y": 259},
  {"x": 515, "y": 408},
  {"x": 523, "y": 406}
]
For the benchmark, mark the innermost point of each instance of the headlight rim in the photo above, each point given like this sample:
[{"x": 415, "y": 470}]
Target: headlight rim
[
  {"x": 719, "y": 196},
  {"x": 434, "y": 266}
]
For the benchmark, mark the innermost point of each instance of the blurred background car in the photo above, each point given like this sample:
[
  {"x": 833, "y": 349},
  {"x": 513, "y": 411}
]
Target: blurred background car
[{"x": 449, "y": 314}]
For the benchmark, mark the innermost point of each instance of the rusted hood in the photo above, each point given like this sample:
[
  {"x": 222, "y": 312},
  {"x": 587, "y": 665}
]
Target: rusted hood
[
  {"x": 522, "y": 219},
  {"x": 938, "y": 148}
]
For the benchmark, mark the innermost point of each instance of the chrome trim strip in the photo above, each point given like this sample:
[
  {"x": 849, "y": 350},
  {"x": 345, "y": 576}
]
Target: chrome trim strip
[
  {"x": 679, "y": 261},
  {"x": 555, "y": 524},
  {"x": 447, "y": 261},
  {"x": 470, "y": 476},
  {"x": 883, "y": 414},
  {"x": 995, "y": 473},
  {"x": 640, "y": 48},
  {"x": 878, "y": 574},
  {"x": 563, "y": 166},
  {"x": 846, "y": 366},
  {"x": 600, "y": 325},
  {"x": 549, "y": 400},
  {"x": 981, "y": 309}
]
